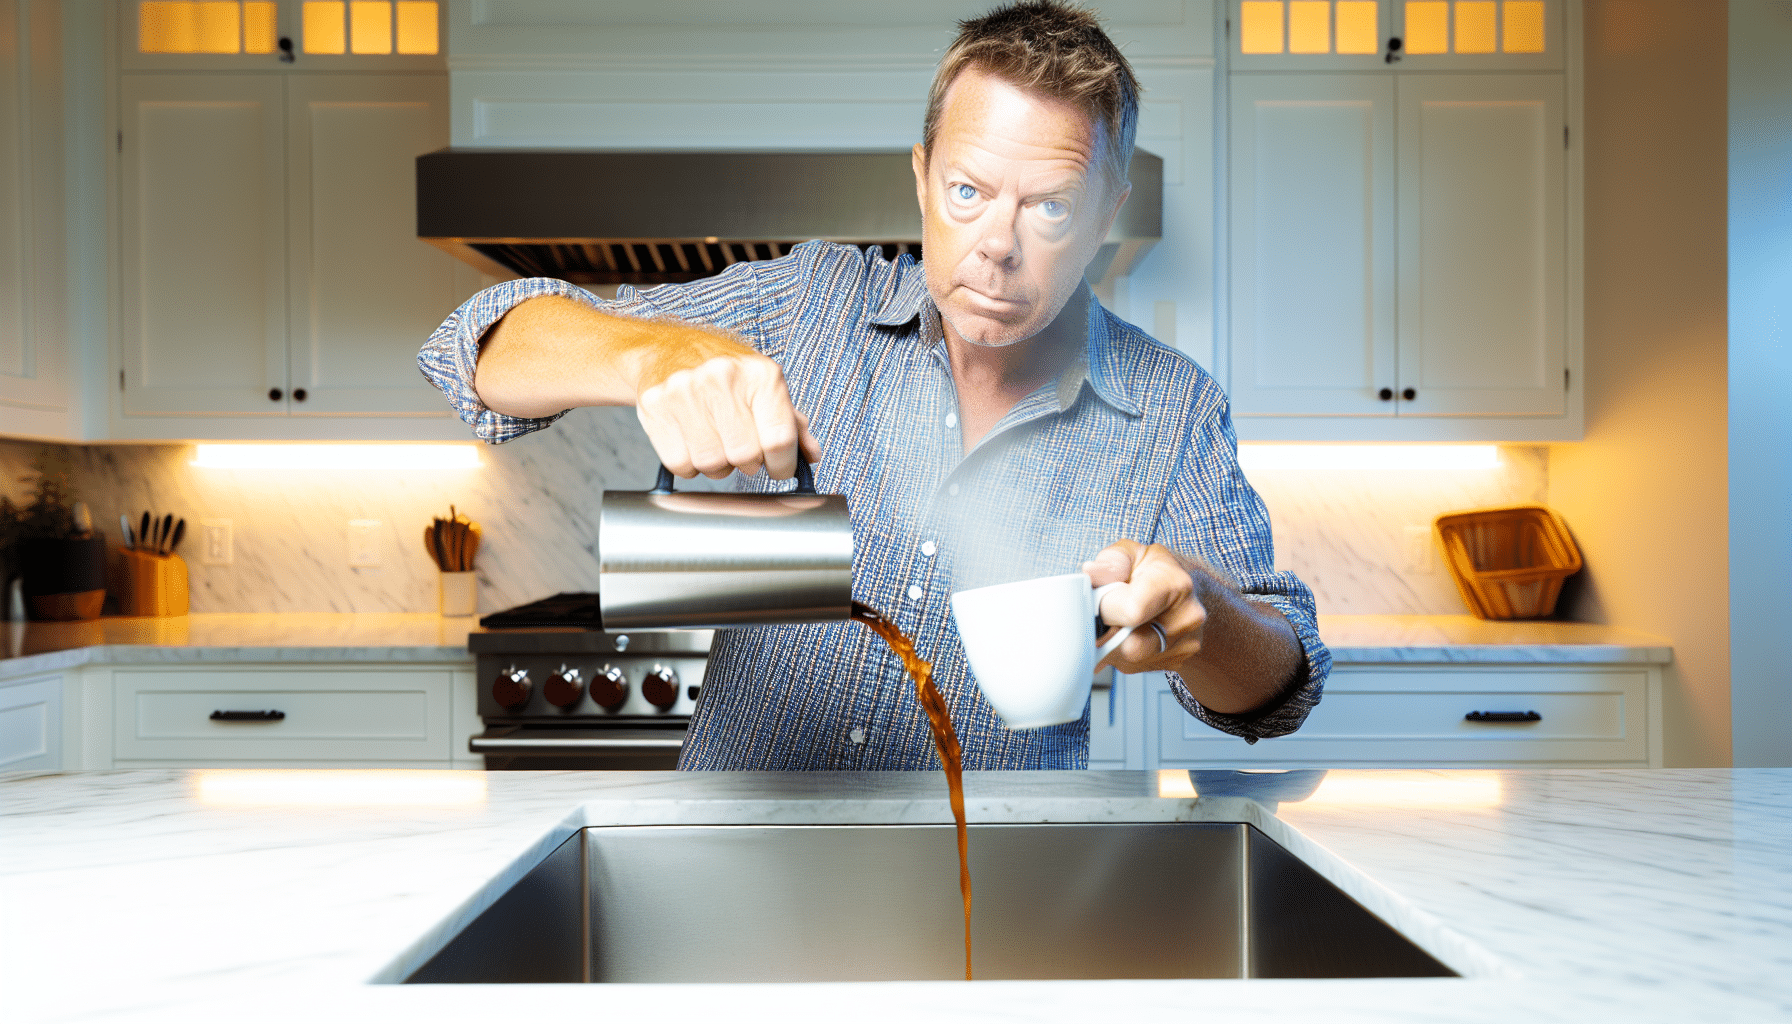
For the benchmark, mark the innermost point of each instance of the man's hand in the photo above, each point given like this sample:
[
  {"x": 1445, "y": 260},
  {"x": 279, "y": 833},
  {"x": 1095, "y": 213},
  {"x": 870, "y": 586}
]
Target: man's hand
[
  {"x": 709, "y": 403},
  {"x": 1236, "y": 656},
  {"x": 1158, "y": 597},
  {"x": 729, "y": 411}
]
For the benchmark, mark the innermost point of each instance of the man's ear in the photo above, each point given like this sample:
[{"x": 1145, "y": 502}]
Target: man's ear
[
  {"x": 918, "y": 156},
  {"x": 1125, "y": 193}
]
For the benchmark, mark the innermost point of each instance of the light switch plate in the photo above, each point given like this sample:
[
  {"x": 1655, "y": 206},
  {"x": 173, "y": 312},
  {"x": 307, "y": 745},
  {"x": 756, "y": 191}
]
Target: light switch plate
[
  {"x": 363, "y": 542},
  {"x": 217, "y": 543}
]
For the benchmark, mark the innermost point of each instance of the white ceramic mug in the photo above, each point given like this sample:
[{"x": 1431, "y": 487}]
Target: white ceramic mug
[{"x": 1031, "y": 646}]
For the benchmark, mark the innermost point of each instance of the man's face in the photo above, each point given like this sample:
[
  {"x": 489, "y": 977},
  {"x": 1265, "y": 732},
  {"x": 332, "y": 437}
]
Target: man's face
[{"x": 1013, "y": 208}]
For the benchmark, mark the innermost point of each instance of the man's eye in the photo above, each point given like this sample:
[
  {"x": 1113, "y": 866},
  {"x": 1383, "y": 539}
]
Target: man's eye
[
  {"x": 964, "y": 193},
  {"x": 1054, "y": 208}
]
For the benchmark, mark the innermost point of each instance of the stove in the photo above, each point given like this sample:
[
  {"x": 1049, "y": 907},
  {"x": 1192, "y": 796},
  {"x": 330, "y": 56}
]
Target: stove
[{"x": 556, "y": 691}]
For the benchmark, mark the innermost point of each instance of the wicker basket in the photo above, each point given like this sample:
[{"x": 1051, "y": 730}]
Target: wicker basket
[{"x": 1509, "y": 563}]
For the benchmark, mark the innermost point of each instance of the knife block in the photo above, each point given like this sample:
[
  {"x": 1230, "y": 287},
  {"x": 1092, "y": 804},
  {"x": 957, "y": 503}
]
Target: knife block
[{"x": 146, "y": 584}]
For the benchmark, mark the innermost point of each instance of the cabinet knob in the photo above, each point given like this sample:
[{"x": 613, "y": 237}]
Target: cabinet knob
[
  {"x": 298, "y": 394},
  {"x": 274, "y": 394},
  {"x": 286, "y": 54},
  {"x": 1393, "y": 49},
  {"x": 1385, "y": 394},
  {"x": 1409, "y": 394}
]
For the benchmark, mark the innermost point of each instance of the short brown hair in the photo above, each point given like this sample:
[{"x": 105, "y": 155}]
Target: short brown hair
[{"x": 1059, "y": 49}]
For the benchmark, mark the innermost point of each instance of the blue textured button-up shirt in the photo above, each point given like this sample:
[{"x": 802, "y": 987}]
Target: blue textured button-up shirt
[{"x": 1134, "y": 440}]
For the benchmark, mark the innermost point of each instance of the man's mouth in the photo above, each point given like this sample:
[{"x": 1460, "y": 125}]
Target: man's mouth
[{"x": 993, "y": 301}]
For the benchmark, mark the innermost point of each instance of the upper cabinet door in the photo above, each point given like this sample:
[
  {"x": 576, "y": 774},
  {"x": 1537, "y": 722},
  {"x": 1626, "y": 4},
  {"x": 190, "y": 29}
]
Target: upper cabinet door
[
  {"x": 204, "y": 237},
  {"x": 1312, "y": 245},
  {"x": 1483, "y": 320},
  {"x": 1396, "y": 35},
  {"x": 365, "y": 292}
]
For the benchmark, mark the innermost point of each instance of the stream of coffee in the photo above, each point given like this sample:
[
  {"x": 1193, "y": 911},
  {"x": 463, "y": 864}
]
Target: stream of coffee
[{"x": 944, "y": 739}]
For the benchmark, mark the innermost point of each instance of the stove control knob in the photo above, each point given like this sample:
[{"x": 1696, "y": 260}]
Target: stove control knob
[
  {"x": 609, "y": 688},
  {"x": 511, "y": 688},
  {"x": 564, "y": 688},
  {"x": 660, "y": 687}
]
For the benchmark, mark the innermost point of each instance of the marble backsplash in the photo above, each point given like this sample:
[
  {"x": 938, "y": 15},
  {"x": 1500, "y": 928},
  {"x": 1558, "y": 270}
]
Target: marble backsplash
[{"x": 1344, "y": 531}]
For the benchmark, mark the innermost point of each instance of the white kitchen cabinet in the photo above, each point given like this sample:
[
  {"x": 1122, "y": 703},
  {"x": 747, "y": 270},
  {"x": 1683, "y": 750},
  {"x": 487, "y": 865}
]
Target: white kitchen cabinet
[
  {"x": 1417, "y": 716},
  {"x": 1116, "y": 721},
  {"x": 31, "y": 723},
  {"x": 1398, "y": 251},
  {"x": 333, "y": 715},
  {"x": 274, "y": 286},
  {"x": 37, "y": 397}
]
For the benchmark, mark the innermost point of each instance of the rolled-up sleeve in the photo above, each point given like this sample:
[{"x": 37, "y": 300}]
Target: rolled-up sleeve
[
  {"x": 752, "y": 300},
  {"x": 1213, "y": 513}
]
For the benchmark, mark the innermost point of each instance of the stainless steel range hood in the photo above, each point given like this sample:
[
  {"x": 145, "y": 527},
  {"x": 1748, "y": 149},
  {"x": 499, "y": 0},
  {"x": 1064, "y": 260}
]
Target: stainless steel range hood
[{"x": 599, "y": 217}]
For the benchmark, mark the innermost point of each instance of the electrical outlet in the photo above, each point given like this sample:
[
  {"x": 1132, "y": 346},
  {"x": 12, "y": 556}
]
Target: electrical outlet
[
  {"x": 1419, "y": 550},
  {"x": 216, "y": 544},
  {"x": 363, "y": 542}
]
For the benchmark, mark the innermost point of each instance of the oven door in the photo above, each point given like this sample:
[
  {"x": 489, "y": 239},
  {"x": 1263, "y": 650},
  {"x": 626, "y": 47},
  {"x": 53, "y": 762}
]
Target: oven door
[{"x": 598, "y": 747}]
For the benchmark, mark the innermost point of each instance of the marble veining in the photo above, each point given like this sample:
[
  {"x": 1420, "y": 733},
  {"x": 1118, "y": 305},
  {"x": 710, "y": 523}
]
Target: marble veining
[
  {"x": 1342, "y": 531},
  {"x": 1563, "y": 895}
]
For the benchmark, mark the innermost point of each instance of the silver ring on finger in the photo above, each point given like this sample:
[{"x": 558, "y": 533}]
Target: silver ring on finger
[{"x": 1163, "y": 641}]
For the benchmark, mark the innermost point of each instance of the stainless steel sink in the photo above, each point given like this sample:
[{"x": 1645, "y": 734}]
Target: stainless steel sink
[{"x": 880, "y": 902}]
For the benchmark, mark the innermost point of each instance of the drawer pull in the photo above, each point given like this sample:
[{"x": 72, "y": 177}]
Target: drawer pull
[
  {"x": 248, "y": 716},
  {"x": 1502, "y": 716}
]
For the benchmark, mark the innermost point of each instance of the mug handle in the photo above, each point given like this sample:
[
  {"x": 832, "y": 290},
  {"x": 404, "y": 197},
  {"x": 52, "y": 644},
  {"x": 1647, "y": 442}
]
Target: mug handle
[
  {"x": 1118, "y": 638},
  {"x": 805, "y": 479}
]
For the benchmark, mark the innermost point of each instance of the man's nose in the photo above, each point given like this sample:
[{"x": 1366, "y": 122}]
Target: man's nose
[{"x": 999, "y": 241}]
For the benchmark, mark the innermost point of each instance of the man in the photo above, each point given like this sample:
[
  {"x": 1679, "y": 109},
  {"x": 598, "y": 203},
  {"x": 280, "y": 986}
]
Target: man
[{"x": 984, "y": 416}]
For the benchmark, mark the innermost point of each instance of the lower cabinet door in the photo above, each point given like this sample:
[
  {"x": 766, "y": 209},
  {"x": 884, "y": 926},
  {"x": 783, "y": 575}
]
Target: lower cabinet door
[
  {"x": 1459, "y": 716},
  {"x": 282, "y": 716},
  {"x": 31, "y": 724}
]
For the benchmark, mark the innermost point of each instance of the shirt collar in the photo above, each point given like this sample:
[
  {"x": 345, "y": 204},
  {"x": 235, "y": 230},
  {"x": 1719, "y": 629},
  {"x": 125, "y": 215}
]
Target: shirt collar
[{"x": 1099, "y": 367}]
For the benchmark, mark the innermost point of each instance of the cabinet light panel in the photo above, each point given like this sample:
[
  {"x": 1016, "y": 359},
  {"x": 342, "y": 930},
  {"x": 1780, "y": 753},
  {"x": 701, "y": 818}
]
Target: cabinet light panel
[
  {"x": 1350, "y": 457},
  {"x": 1359, "y": 26},
  {"x": 260, "y": 27},
  {"x": 189, "y": 26},
  {"x": 370, "y": 26},
  {"x": 417, "y": 29},
  {"x": 339, "y": 788},
  {"x": 1260, "y": 26},
  {"x": 1475, "y": 20},
  {"x": 1524, "y": 26},
  {"x": 1310, "y": 26},
  {"x": 337, "y": 457},
  {"x": 1427, "y": 26},
  {"x": 324, "y": 26}
]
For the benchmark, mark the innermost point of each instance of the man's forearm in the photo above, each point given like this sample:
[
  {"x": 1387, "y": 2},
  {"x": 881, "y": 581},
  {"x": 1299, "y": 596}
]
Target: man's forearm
[
  {"x": 552, "y": 353},
  {"x": 1249, "y": 653}
]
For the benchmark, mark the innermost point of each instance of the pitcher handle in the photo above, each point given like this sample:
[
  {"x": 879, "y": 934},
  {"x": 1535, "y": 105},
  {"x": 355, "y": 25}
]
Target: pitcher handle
[
  {"x": 1118, "y": 638},
  {"x": 805, "y": 479}
]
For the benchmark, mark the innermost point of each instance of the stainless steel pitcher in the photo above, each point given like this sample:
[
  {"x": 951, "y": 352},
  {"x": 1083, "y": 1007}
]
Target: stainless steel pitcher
[{"x": 712, "y": 561}]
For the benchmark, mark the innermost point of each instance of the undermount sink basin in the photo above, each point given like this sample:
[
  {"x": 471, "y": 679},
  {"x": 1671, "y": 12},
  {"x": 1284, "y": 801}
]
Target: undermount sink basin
[{"x": 741, "y": 903}]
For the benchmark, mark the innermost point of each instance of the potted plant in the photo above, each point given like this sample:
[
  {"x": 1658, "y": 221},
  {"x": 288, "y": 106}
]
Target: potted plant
[{"x": 55, "y": 548}]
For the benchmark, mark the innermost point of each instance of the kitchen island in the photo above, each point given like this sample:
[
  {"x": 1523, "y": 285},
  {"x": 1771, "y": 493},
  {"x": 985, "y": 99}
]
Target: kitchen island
[{"x": 1570, "y": 895}]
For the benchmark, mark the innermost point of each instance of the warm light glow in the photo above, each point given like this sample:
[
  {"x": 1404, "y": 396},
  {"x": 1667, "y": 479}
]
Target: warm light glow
[
  {"x": 1260, "y": 26},
  {"x": 1359, "y": 27},
  {"x": 417, "y": 31},
  {"x": 1175, "y": 782},
  {"x": 1474, "y": 26},
  {"x": 189, "y": 26},
  {"x": 324, "y": 29},
  {"x": 370, "y": 26},
  {"x": 1458, "y": 790},
  {"x": 1427, "y": 26},
  {"x": 1310, "y": 26},
  {"x": 387, "y": 457},
  {"x": 1524, "y": 26},
  {"x": 339, "y": 788},
  {"x": 259, "y": 29},
  {"x": 1347, "y": 457}
]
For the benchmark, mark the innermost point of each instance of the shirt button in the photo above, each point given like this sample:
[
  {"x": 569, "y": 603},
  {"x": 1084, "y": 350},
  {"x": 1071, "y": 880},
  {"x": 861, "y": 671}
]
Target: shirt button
[
  {"x": 952, "y": 490},
  {"x": 857, "y": 735},
  {"x": 914, "y": 593},
  {"x": 951, "y": 419},
  {"x": 928, "y": 548}
]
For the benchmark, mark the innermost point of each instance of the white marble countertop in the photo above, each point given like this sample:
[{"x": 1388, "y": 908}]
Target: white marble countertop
[
  {"x": 30, "y": 647},
  {"x": 1635, "y": 895}
]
